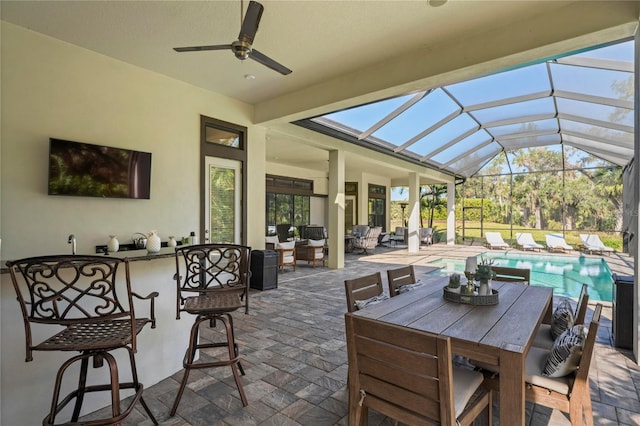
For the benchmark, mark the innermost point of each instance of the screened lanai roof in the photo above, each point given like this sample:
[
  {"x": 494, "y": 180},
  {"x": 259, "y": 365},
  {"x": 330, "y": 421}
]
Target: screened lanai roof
[{"x": 583, "y": 101}]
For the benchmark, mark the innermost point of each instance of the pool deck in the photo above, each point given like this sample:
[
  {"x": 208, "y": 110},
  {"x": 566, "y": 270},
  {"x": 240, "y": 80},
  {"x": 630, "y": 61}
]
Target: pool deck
[{"x": 293, "y": 351}]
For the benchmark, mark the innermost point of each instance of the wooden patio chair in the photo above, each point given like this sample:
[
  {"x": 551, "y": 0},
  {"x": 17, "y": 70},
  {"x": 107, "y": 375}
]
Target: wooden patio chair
[
  {"x": 409, "y": 376},
  {"x": 313, "y": 252},
  {"x": 286, "y": 254},
  {"x": 399, "y": 277},
  {"x": 513, "y": 275},
  {"x": 569, "y": 394},
  {"x": 362, "y": 288}
]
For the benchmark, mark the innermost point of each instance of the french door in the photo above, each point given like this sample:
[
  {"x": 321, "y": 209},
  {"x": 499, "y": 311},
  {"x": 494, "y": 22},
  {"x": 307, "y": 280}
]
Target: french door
[{"x": 223, "y": 200}]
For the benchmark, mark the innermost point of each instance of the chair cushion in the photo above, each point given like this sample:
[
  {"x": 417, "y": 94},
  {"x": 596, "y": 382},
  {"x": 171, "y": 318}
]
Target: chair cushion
[
  {"x": 287, "y": 259},
  {"x": 534, "y": 365},
  {"x": 272, "y": 239},
  {"x": 465, "y": 384},
  {"x": 565, "y": 355},
  {"x": 286, "y": 246},
  {"x": 315, "y": 243},
  {"x": 360, "y": 304},
  {"x": 543, "y": 337},
  {"x": 562, "y": 319}
]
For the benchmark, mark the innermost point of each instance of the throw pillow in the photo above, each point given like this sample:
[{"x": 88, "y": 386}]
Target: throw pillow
[
  {"x": 408, "y": 287},
  {"x": 565, "y": 355},
  {"x": 371, "y": 301},
  {"x": 562, "y": 319}
]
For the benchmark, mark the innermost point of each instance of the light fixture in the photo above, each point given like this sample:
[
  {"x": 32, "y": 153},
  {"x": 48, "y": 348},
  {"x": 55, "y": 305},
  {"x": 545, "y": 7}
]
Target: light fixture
[{"x": 249, "y": 77}]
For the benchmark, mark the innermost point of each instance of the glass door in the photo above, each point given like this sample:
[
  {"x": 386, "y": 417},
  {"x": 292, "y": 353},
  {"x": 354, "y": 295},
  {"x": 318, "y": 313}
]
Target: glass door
[
  {"x": 223, "y": 205},
  {"x": 349, "y": 213}
]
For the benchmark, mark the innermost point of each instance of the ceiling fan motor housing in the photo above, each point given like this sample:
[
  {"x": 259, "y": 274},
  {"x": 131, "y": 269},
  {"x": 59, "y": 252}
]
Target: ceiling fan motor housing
[{"x": 241, "y": 48}]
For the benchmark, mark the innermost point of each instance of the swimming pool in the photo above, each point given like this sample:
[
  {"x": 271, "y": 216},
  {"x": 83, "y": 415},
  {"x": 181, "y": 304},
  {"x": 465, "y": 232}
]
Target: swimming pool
[{"x": 565, "y": 274}]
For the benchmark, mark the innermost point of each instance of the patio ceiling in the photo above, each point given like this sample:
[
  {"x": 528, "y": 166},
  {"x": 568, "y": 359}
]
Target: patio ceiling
[{"x": 583, "y": 101}]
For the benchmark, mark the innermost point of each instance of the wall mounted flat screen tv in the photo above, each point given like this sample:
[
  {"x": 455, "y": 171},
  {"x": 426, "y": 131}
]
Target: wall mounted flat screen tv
[{"x": 87, "y": 170}]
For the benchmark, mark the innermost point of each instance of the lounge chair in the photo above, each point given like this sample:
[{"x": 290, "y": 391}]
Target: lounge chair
[
  {"x": 426, "y": 236},
  {"x": 525, "y": 241},
  {"x": 592, "y": 243},
  {"x": 494, "y": 240},
  {"x": 556, "y": 242}
]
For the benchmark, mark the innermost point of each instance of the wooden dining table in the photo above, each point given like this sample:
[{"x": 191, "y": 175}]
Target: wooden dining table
[{"x": 499, "y": 334}]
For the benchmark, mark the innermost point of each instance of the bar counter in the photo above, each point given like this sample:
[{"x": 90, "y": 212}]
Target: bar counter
[{"x": 160, "y": 350}]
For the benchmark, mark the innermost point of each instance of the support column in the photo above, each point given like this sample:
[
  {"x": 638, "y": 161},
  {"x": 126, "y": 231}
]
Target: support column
[
  {"x": 336, "y": 209},
  {"x": 414, "y": 213},
  {"x": 451, "y": 213}
]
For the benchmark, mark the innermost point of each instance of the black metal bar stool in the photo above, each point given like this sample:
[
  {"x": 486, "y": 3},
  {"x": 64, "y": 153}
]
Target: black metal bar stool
[
  {"x": 80, "y": 293},
  {"x": 213, "y": 283}
]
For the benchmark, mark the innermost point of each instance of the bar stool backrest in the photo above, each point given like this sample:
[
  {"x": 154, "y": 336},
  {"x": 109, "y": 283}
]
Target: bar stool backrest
[
  {"x": 209, "y": 268},
  {"x": 70, "y": 289}
]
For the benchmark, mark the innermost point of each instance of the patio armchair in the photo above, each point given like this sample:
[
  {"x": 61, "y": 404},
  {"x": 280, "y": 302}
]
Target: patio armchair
[
  {"x": 426, "y": 236},
  {"x": 556, "y": 242},
  {"x": 315, "y": 232},
  {"x": 525, "y": 241},
  {"x": 312, "y": 252},
  {"x": 369, "y": 241},
  {"x": 592, "y": 243},
  {"x": 284, "y": 231},
  {"x": 494, "y": 240},
  {"x": 399, "y": 235},
  {"x": 359, "y": 230},
  {"x": 286, "y": 254}
]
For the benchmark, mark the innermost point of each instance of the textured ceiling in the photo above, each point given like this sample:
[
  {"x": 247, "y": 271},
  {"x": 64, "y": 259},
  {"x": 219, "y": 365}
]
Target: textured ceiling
[{"x": 318, "y": 40}]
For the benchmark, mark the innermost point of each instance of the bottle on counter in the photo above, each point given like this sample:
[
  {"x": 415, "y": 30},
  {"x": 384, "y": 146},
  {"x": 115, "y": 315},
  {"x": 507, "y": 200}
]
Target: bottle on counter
[{"x": 193, "y": 238}]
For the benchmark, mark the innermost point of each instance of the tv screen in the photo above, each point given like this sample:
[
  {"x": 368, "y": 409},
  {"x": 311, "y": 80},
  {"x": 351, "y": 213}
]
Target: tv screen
[{"x": 87, "y": 170}]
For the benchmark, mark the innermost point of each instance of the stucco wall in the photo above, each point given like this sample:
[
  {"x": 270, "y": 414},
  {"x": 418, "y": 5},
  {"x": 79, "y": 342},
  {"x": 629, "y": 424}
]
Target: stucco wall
[{"x": 54, "y": 89}]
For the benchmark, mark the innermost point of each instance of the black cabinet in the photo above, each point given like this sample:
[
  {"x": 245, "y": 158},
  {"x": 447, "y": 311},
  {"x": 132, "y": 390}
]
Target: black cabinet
[
  {"x": 623, "y": 311},
  {"x": 264, "y": 269}
]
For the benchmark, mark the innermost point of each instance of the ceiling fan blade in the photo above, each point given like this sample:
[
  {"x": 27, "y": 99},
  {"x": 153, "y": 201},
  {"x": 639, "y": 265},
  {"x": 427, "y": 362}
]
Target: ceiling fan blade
[
  {"x": 268, "y": 62},
  {"x": 199, "y": 48},
  {"x": 251, "y": 22}
]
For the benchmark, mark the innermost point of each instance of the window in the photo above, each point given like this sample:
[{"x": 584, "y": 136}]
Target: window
[
  {"x": 287, "y": 208},
  {"x": 377, "y": 205},
  {"x": 288, "y": 201}
]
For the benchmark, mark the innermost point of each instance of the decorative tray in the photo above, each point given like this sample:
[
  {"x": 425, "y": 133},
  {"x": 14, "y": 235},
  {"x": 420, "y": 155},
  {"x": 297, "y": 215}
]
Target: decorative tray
[{"x": 455, "y": 295}]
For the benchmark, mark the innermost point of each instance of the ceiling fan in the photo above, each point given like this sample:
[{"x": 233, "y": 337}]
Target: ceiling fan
[{"x": 242, "y": 47}]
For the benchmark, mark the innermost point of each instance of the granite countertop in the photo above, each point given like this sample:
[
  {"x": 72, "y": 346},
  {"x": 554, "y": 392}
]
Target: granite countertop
[{"x": 132, "y": 255}]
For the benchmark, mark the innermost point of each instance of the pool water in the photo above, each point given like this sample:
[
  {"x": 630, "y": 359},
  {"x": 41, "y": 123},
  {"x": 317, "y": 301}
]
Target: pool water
[{"x": 565, "y": 274}]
